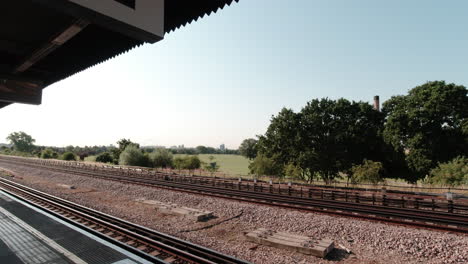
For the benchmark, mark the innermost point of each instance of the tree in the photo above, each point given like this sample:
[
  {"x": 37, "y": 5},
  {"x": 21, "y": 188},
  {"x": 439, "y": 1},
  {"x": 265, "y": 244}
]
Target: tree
[
  {"x": 21, "y": 141},
  {"x": 335, "y": 135},
  {"x": 281, "y": 140},
  {"x": 201, "y": 149},
  {"x": 161, "y": 158},
  {"x": 48, "y": 153},
  {"x": 133, "y": 156},
  {"x": 122, "y": 145},
  {"x": 263, "y": 165},
  {"x": 293, "y": 171},
  {"x": 191, "y": 163},
  {"x": 248, "y": 148},
  {"x": 179, "y": 163},
  {"x": 326, "y": 137},
  {"x": 429, "y": 125},
  {"x": 453, "y": 173},
  {"x": 212, "y": 166},
  {"x": 68, "y": 156},
  {"x": 105, "y": 157},
  {"x": 368, "y": 171}
]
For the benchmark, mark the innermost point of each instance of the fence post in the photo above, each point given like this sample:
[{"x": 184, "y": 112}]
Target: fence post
[{"x": 450, "y": 206}]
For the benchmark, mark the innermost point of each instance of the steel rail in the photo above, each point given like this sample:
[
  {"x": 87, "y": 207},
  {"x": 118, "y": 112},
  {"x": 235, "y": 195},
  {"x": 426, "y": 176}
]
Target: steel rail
[
  {"x": 142, "y": 238},
  {"x": 421, "y": 218}
]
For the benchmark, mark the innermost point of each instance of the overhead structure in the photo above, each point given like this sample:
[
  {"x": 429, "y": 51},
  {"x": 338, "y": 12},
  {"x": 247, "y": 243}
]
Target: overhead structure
[{"x": 45, "y": 41}]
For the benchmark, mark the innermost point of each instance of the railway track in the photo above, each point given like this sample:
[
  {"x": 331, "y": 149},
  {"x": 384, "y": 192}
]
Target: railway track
[
  {"x": 454, "y": 218},
  {"x": 149, "y": 244}
]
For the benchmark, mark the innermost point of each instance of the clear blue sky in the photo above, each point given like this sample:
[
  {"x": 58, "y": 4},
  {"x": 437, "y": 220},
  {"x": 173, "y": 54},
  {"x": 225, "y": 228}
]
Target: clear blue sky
[{"x": 220, "y": 79}]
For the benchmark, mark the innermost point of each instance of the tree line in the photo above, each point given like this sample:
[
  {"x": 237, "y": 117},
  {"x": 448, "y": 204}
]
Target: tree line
[
  {"x": 126, "y": 153},
  {"x": 414, "y": 137}
]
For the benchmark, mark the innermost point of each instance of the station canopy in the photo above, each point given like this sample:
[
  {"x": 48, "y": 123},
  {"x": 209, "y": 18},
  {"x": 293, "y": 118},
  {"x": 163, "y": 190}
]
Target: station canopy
[{"x": 45, "y": 41}]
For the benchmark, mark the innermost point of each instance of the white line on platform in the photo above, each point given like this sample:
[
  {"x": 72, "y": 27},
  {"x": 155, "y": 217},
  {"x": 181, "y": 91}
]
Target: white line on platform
[{"x": 40, "y": 236}]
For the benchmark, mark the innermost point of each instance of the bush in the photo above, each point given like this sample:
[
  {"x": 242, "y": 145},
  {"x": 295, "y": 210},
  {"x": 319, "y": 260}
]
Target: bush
[
  {"x": 179, "y": 163},
  {"x": 212, "y": 166},
  {"x": 368, "y": 171},
  {"x": 49, "y": 154},
  {"x": 262, "y": 165},
  {"x": 292, "y": 171},
  {"x": 68, "y": 156},
  {"x": 161, "y": 158},
  {"x": 191, "y": 163},
  {"x": 105, "y": 157},
  {"x": 133, "y": 156},
  {"x": 454, "y": 172}
]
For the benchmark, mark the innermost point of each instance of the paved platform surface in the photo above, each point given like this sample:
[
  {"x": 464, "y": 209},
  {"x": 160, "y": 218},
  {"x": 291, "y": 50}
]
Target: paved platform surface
[{"x": 28, "y": 236}]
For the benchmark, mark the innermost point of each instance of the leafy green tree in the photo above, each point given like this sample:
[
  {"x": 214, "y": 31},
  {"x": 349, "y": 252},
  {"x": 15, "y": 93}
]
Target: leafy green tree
[
  {"x": 191, "y": 163},
  {"x": 429, "y": 125},
  {"x": 212, "y": 166},
  {"x": 122, "y": 145},
  {"x": 293, "y": 171},
  {"x": 454, "y": 172},
  {"x": 133, "y": 156},
  {"x": 21, "y": 141},
  {"x": 179, "y": 163},
  {"x": 68, "y": 156},
  {"x": 326, "y": 137},
  {"x": 105, "y": 157},
  {"x": 263, "y": 165},
  {"x": 248, "y": 148},
  {"x": 48, "y": 153},
  {"x": 334, "y": 135},
  {"x": 282, "y": 138},
  {"x": 201, "y": 149},
  {"x": 161, "y": 158},
  {"x": 367, "y": 172},
  {"x": 70, "y": 148}
]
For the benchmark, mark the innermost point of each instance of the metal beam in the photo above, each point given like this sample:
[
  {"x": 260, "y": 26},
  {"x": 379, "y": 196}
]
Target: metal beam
[{"x": 55, "y": 43}]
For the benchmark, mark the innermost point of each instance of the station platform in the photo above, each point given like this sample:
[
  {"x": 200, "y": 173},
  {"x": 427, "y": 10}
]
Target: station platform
[{"x": 30, "y": 236}]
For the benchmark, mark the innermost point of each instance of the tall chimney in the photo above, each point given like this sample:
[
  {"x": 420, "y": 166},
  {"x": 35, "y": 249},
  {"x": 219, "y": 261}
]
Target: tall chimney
[{"x": 376, "y": 103}]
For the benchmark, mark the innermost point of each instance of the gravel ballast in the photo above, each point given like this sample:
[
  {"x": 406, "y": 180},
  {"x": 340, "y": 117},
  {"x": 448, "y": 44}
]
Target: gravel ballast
[{"x": 369, "y": 242}]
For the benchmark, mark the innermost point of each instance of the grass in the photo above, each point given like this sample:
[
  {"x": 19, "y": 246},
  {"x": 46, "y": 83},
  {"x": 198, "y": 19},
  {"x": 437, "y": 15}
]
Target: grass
[
  {"x": 230, "y": 164},
  {"x": 91, "y": 158}
]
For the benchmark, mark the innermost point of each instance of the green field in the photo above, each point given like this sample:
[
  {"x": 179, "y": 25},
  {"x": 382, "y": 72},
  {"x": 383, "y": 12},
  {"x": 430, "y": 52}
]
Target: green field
[{"x": 230, "y": 164}]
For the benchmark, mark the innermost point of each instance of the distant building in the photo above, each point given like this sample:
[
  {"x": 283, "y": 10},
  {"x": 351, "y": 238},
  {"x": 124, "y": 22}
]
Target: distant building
[{"x": 222, "y": 147}]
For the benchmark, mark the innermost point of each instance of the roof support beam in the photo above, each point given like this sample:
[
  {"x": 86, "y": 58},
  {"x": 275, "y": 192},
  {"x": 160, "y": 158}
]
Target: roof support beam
[
  {"x": 49, "y": 47},
  {"x": 20, "y": 90}
]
